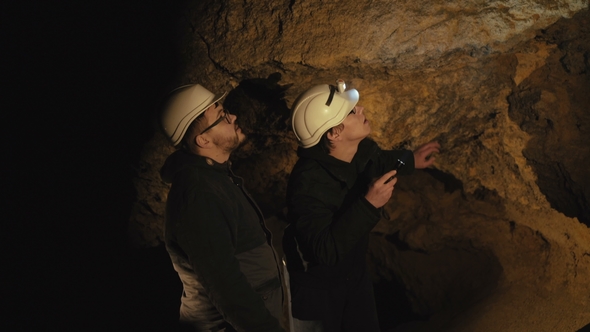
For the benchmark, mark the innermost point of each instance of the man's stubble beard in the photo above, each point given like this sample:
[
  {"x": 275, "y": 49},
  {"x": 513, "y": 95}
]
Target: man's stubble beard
[{"x": 230, "y": 144}]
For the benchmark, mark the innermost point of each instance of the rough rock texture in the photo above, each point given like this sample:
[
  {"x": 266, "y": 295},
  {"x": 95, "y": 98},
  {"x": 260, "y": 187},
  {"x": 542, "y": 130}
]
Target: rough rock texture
[{"x": 495, "y": 237}]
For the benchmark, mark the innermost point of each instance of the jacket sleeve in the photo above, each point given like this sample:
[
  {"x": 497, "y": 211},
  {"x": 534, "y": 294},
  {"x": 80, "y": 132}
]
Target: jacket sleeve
[
  {"x": 318, "y": 234},
  {"x": 388, "y": 159},
  {"x": 385, "y": 160},
  {"x": 207, "y": 234}
]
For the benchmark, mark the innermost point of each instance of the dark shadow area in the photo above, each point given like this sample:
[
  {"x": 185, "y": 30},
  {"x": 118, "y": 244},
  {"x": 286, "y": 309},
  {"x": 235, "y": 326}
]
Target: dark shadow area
[
  {"x": 558, "y": 175},
  {"x": 420, "y": 286},
  {"x": 84, "y": 78},
  {"x": 393, "y": 306},
  {"x": 264, "y": 116},
  {"x": 260, "y": 102},
  {"x": 450, "y": 182},
  {"x": 551, "y": 105}
]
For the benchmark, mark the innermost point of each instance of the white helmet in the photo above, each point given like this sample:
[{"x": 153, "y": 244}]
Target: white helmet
[
  {"x": 320, "y": 108},
  {"x": 185, "y": 104}
]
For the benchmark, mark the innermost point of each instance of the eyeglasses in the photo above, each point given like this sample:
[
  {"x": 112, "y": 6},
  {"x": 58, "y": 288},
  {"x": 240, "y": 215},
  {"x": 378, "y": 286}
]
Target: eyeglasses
[
  {"x": 225, "y": 117},
  {"x": 353, "y": 111}
]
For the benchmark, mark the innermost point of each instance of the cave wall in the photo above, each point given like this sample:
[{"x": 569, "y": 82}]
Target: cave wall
[{"x": 495, "y": 237}]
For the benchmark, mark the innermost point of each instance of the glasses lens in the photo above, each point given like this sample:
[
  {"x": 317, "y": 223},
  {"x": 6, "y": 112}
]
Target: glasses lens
[{"x": 225, "y": 117}]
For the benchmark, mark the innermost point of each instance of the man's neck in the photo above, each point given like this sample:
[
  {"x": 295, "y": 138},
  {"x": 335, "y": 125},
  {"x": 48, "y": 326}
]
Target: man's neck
[{"x": 215, "y": 154}]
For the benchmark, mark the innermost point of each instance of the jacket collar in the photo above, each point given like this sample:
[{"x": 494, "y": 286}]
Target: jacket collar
[
  {"x": 343, "y": 171},
  {"x": 181, "y": 159}
]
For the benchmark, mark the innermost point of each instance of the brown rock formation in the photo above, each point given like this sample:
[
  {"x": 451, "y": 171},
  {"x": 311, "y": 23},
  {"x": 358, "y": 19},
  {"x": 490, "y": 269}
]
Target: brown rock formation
[{"x": 495, "y": 237}]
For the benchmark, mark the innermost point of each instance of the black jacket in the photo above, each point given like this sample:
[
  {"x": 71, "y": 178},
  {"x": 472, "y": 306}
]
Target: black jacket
[
  {"x": 329, "y": 217},
  {"x": 219, "y": 245}
]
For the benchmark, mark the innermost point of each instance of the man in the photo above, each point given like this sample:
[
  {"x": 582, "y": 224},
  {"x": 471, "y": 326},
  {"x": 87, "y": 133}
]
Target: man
[
  {"x": 335, "y": 194},
  {"x": 215, "y": 232}
]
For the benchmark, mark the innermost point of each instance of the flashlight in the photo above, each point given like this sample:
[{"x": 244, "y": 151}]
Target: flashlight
[{"x": 398, "y": 165}]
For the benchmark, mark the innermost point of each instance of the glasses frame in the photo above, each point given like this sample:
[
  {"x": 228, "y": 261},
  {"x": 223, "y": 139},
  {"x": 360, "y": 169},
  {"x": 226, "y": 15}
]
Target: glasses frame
[{"x": 225, "y": 117}]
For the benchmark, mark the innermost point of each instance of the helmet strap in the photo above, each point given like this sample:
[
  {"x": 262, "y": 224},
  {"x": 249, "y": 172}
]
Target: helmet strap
[{"x": 331, "y": 96}]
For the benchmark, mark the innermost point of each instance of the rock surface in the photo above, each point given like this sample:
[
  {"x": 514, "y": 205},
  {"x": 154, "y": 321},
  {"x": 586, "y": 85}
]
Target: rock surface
[{"x": 495, "y": 237}]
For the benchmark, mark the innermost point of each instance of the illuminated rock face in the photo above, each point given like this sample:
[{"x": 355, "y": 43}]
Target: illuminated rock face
[{"x": 495, "y": 237}]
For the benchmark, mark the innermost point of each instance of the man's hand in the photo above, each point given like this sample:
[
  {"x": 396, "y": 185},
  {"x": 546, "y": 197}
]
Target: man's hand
[
  {"x": 423, "y": 155},
  {"x": 380, "y": 191}
]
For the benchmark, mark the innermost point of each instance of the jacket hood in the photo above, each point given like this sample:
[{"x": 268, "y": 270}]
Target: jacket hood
[{"x": 181, "y": 160}]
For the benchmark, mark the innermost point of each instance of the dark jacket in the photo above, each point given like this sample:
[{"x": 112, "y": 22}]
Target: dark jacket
[
  {"x": 220, "y": 247},
  {"x": 330, "y": 219}
]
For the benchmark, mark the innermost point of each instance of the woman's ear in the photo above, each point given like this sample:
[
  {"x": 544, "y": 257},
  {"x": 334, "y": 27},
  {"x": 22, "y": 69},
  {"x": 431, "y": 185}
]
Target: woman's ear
[{"x": 334, "y": 134}]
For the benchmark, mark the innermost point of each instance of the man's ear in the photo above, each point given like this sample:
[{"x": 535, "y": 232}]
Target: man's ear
[{"x": 202, "y": 141}]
